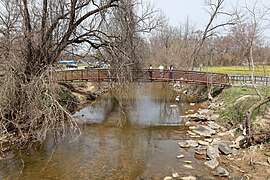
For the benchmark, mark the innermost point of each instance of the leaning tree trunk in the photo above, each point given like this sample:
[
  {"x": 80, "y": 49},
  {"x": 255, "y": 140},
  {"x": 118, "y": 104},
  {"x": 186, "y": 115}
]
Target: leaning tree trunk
[{"x": 249, "y": 113}]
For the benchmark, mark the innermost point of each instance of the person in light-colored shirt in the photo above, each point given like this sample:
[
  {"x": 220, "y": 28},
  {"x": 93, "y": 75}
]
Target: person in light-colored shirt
[{"x": 161, "y": 69}]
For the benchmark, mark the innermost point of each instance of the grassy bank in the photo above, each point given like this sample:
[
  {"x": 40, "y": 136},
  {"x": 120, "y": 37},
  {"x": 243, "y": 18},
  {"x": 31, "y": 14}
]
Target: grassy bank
[
  {"x": 236, "y": 100},
  {"x": 239, "y": 70}
]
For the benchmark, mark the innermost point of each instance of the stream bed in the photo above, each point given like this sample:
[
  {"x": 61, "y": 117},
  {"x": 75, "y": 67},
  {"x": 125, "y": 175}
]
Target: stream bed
[{"x": 132, "y": 135}]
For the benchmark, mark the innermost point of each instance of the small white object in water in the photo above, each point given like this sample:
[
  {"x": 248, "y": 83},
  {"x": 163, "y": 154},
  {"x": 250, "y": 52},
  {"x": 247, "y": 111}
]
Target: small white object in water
[
  {"x": 180, "y": 156},
  {"x": 173, "y": 106},
  {"x": 175, "y": 175},
  {"x": 177, "y": 98},
  {"x": 168, "y": 178}
]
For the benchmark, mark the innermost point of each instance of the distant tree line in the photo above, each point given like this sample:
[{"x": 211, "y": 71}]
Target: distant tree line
[{"x": 224, "y": 43}]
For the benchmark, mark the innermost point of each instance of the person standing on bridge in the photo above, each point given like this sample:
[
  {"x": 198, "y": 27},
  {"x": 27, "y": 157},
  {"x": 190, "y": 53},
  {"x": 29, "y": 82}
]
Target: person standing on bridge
[
  {"x": 170, "y": 71},
  {"x": 150, "y": 72},
  {"x": 161, "y": 69}
]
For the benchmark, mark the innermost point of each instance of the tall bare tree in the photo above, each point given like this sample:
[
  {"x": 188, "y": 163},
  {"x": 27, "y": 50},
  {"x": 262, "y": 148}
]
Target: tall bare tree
[
  {"x": 129, "y": 24},
  {"x": 216, "y": 10},
  {"x": 33, "y": 36},
  {"x": 255, "y": 18}
]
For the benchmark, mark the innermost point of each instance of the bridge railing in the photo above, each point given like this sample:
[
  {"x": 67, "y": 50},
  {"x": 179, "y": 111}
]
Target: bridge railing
[
  {"x": 246, "y": 79},
  {"x": 192, "y": 77},
  {"x": 185, "y": 76}
]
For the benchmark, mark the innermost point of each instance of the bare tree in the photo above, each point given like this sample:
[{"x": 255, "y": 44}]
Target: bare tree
[
  {"x": 33, "y": 36},
  {"x": 255, "y": 18},
  {"x": 172, "y": 45},
  {"x": 128, "y": 24},
  {"x": 216, "y": 9}
]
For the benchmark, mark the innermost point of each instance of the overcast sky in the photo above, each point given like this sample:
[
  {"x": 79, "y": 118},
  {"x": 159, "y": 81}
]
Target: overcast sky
[{"x": 178, "y": 10}]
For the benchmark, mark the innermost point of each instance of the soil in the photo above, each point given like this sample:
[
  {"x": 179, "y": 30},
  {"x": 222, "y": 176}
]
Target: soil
[{"x": 251, "y": 163}]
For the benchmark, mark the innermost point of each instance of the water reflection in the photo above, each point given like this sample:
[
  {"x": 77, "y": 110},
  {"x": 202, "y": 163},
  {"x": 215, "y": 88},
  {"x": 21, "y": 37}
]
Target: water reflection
[
  {"x": 143, "y": 104},
  {"x": 144, "y": 146}
]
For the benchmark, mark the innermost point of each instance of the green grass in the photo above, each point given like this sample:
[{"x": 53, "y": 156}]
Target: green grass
[
  {"x": 239, "y": 70},
  {"x": 234, "y": 109},
  {"x": 82, "y": 64}
]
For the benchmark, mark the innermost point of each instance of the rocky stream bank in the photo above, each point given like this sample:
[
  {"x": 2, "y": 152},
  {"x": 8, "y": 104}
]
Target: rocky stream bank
[{"x": 221, "y": 148}]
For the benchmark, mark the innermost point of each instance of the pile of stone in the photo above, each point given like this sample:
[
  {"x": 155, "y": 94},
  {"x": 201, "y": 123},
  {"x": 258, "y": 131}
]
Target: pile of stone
[
  {"x": 211, "y": 140},
  {"x": 201, "y": 115}
]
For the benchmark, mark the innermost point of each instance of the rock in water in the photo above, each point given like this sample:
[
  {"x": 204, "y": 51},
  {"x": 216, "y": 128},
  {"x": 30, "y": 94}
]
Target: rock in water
[
  {"x": 180, "y": 156},
  {"x": 188, "y": 166},
  {"x": 168, "y": 178},
  {"x": 212, "y": 164},
  {"x": 175, "y": 175},
  {"x": 192, "y": 143},
  {"x": 188, "y": 178},
  {"x": 201, "y": 150},
  {"x": 183, "y": 144},
  {"x": 173, "y": 106}
]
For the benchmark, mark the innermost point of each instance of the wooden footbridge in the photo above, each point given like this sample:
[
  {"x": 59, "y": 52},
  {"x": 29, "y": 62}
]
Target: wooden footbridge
[{"x": 145, "y": 75}]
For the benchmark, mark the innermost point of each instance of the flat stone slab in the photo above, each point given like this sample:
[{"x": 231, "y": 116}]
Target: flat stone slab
[
  {"x": 204, "y": 143},
  {"x": 192, "y": 143},
  {"x": 213, "y": 125},
  {"x": 212, "y": 151},
  {"x": 213, "y": 117},
  {"x": 222, "y": 172},
  {"x": 235, "y": 152},
  {"x": 187, "y": 123},
  {"x": 197, "y": 117},
  {"x": 201, "y": 150},
  {"x": 212, "y": 164},
  {"x": 208, "y": 140},
  {"x": 191, "y": 133},
  {"x": 240, "y": 140},
  {"x": 183, "y": 144},
  {"x": 204, "y": 131},
  {"x": 224, "y": 148},
  {"x": 188, "y": 178},
  {"x": 204, "y": 111}
]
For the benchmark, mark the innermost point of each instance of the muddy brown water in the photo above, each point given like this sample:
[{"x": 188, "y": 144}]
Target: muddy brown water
[{"x": 134, "y": 139}]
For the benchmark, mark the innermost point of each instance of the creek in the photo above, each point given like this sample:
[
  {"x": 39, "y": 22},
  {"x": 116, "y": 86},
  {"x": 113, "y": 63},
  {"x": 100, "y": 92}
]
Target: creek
[{"x": 131, "y": 135}]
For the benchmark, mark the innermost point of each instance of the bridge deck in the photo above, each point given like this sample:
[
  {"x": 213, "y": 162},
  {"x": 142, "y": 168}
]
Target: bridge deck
[{"x": 190, "y": 77}]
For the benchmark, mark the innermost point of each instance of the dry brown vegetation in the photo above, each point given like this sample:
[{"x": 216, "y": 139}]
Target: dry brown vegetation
[{"x": 34, "y": 35}]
